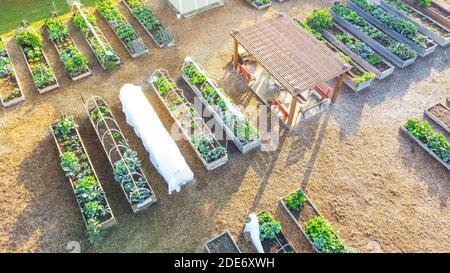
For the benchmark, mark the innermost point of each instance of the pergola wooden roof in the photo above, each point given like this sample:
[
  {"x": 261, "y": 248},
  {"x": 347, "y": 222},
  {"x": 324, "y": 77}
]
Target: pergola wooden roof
[{"x": 295, "y": 58}]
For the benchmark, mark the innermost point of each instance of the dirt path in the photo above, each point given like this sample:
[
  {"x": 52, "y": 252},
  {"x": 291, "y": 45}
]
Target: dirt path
[{"x": 381, "y": 191}]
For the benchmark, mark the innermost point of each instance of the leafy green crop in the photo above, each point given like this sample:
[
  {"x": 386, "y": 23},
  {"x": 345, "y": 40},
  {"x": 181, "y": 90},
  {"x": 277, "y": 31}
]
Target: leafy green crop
[
  {"x": 26, "y": 37},
  {"x": 360, "y": 48},
  {"x": 94, "y": 232},
  {"x": 208, "y": 151},
  {"x": 164, "y": 85},
  {"x": 43, "y": 75},
  {"x": 64, "y": 127},
  {"x": 57, "y": 30},
  {"x": 323, "y": 237},
  {"x": 434, "y": 141},
  {"x": 268, "y": 227},
  {"x": 424, "y": 3},
  {"x": 70, "y": 163},
  {"x": 74, "y": 62},
  {"x": 319, "y": 20},
  {"x": 295, "y": 200}
]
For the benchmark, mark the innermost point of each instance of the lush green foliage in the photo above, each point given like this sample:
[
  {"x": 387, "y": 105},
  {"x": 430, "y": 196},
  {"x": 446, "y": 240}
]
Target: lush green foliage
[
  {"x": 360, "y": 48},
  {"x": 5, "y": 67},
  {"x": 74, "y": 62},
  {"x": 43, "y": 75},
  {"x": 319, "y": 20},
  {"x": 195, "y": 76},
  {"x": 295, "y": 200},
  {"x": 365, "y": 77},
  {"x": 57, "y": 30},
  {"x": 2, "y": 49},
  {"x": 404, "y": 27},
  {"x": 403, "y": 51},
  {"x": 27, "y": 37},
  {"x": 164, "y": 85},
  {"x": 69, "y": 163},
  {"x": 64, "y": 127},
  {"x": 434, "y": 141},
  {"x": 423, "y": 3},
  {"x": 94, "y": 232},
  {"x": 268, "y": 227},
  {"x": 261, "y": 2},
  {"x": 323, "y": 237},
  {"x": 208, "y": 151}
]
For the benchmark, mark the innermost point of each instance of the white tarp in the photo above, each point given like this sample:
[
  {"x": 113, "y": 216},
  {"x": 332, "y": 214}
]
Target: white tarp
[
  {"x": 252, "y": 227},
  {"x": 164, "y": 152}
]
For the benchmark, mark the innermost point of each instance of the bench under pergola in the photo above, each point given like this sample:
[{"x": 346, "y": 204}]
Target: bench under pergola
[{"x": 296, "y": 59}]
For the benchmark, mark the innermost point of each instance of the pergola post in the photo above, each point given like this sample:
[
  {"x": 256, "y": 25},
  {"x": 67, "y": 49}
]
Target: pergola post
[
  {"x": 338, "y": 87},
  {"x": 292, "y": 110},
  {"x": 235, "y": 54}
]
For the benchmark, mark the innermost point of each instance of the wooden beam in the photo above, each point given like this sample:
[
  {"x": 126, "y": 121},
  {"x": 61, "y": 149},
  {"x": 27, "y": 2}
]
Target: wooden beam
[
  {"x": 235, "y": 54},
  {"x": 338, "y": 87},
  {"x": 292, "y": 110}
]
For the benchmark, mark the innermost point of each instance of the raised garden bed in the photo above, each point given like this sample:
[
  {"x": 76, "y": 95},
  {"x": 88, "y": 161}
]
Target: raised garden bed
[
  {"x": 222, "y": 243},
  {"x": 102, "y": 49},
  {"x": 400, "y": 29},
  {"x": 155, "y": 29},
  {"x": 308, "y": 219},
  {"x": 440, "y": 114},
  {"x": 260, "y": 4},
  {"x": 424, "y": 24},
  {"x": 233, "y": 122},
  {"x": 30, "y": 43},
  {"x": 10, "y": 89},
  {"x": 123, "y": 30},
  {"x": 398, "y": 53},
  {"x": 205, "y": 145},
  {"x": 76, "y": 65},
  {"x": 77, "y": 166},
  {"x": 431, "y": 141},
  {"x": 435, "y": 11},
  {"x": 272, "y": 237},
  {"x": 358, "y": 51},
  {"x": 123, "y": 160}
]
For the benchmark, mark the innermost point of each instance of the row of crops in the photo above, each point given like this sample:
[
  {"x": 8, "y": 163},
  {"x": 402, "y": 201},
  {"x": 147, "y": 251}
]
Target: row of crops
[{"x": 76, "y": 65}]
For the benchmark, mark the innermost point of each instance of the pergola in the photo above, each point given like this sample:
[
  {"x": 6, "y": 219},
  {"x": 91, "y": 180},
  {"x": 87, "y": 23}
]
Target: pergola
[{"x": 296, "y": 59}]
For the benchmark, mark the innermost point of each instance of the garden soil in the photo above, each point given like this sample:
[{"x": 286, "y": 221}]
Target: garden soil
[{"x": 378, "y": 189}]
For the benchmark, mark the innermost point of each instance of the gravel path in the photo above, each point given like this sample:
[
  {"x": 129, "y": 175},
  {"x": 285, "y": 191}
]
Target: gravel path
[{"x": 377, "y": 188}]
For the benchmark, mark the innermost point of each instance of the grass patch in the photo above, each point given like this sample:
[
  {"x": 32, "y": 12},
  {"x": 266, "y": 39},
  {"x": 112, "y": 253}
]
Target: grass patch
[{"x": 12, "y": 12}]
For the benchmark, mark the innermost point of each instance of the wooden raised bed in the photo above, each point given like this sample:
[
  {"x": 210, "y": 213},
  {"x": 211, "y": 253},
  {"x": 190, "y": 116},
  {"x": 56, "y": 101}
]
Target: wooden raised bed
[
  {"x": 107, "y": 130},
  {"x": 222, "y": 243},
  {"x": 108, "y": 221},
  {"x": 45, "y": 89},
  {"x": 440, "y": 114},
  {"x": 96, "y": 34},
  {"x": 306, "y": 213},
  {"x": 185, "y": 116},
  {"x": 436, "y": 12},
  {"x": 398, "y": 36},
  {"x": 14, "y": 81},
  {"x": 279, "y": 244},
  {"x": 440, "y": 34},
  {"x": 169, "y": 42},
  {"x": 381, "y": 71},
  {"x": 260, "y": 6},
  {"x": 139, "y": 42},
  {"x": 372, "y": 42},
  {"x": 424, "y": 146},
  {"x": 243, "y": 147}
]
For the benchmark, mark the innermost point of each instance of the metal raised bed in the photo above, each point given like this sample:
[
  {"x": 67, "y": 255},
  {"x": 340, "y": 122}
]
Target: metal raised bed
[
  {"x": 260, "y": 6},
  {"x": 184, "y": 114},
  {"x": 225, "y": 244},
  {"x": 16, "y": 79},
  {"x": 281, "y": 242},
  {"x": 436, "y": 119},
  {"x": 371, "y": 42},
  {"x": 436, "y": 12},
  {"x": 110, "y": 221},
  {"x": 243, "y": 148},
  {"x": 424, "y": 146},
  {"x": 356, "y": 58},
  {"x": 440, "y": 40},
  {"x": 115, "y": 149},
  {"x": 398, "y": 36}
]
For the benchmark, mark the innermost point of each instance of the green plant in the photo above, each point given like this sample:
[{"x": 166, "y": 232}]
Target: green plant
[
  {"x": 43, "y": 75},
  {"x": 319, "y": 20},
  {"x": 2, "y": 49},
  {"x": 64, "y": 127},
  {"x": 206, "y": 148},
  {"x": 244, "y": 131},
  {"x": 194, "y": 74},
  {"x": 164, "y": 85},
  {"x": 322, "y": 236},
  {"x": 261, "y": 2},
  {"x": 268, "y": 227},
  {"x": 365, "y": 77},
  {"x": 26, "y": 37},
  {"x": 94, "y": 232},
  {"x": 295, "y": 200},
  {"x": 434, "y": 141},
  {"x": 57, "y": 30},
  {"x": 423, "y": 3},
  {"x": 74, "y": 62},
  {"x": 69, "y": 163},
  {"x": 359, "y": 48},
  {"x": 95, "y": 210}
]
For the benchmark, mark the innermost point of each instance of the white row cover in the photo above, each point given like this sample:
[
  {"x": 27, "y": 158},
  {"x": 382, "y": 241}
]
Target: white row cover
[
  {"x": 164, "y": 152},
  {"x": 252, "y": 227}
]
